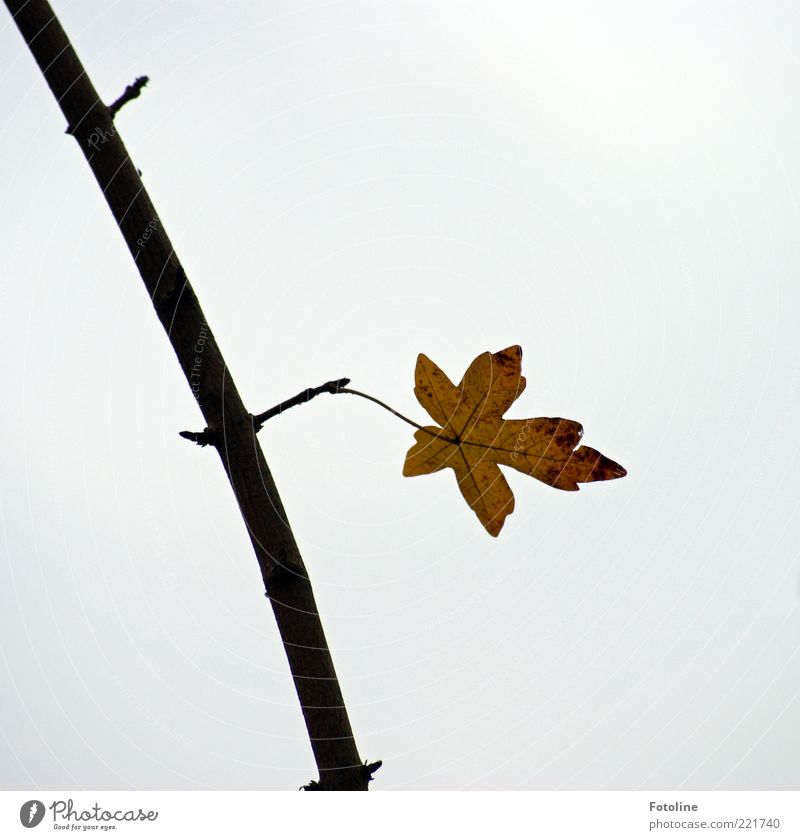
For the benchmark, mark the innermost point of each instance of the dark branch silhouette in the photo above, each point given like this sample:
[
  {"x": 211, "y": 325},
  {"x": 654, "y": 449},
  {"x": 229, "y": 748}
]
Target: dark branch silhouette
[
  {"x": 130, "y": 92},
  {"x": 332, "y": 387},
  {"x": 229, "y": 425}
]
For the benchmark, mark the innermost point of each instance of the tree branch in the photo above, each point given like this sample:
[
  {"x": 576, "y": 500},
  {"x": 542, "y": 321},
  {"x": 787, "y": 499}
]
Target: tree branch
[
  {"x": 177, "y": 307},
  {"x": 130, "y": 92}
]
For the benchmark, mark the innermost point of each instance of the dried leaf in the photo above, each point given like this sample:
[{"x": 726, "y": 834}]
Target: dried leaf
[{"x": 473, "y": 438}]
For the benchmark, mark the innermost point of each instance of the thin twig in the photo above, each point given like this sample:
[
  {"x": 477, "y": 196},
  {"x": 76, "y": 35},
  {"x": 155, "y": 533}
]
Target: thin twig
[
  {"x": 204, "y": 438},
  {"x": 335, "y": 386},
  {"x": 130, "y": 92}
]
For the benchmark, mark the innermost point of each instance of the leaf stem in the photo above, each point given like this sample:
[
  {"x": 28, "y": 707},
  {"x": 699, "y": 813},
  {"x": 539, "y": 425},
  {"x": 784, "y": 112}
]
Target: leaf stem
[
  {"x": 382, "y": 405},
  {"x": 336, "y": 386},
  {"x": 397, "y": 414}
]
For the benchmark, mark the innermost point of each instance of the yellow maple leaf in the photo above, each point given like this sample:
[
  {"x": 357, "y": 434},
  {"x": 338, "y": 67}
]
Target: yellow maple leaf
[{"x": 473, "y": 438}]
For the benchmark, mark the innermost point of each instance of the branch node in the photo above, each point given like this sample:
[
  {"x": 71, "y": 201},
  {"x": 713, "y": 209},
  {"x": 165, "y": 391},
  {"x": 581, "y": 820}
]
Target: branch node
[
  {"x": 311, "y": 786},
  {"x": 367, "y": 768},
  {"x": 130, "y": 92},
  {"x": 204, "y": 438},
  {"x": 370, "y": 768}
]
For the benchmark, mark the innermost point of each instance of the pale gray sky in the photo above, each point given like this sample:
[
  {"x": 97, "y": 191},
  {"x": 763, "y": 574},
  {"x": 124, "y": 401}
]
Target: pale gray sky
[{"x": 612, "y": 185}]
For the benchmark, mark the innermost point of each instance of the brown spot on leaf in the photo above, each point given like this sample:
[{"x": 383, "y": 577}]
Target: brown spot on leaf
[{"x": 477, "y": 439}]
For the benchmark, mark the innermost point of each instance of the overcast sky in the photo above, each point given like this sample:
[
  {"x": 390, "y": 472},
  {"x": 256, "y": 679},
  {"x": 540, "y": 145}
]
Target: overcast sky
[{"x": 611, "y": 185}]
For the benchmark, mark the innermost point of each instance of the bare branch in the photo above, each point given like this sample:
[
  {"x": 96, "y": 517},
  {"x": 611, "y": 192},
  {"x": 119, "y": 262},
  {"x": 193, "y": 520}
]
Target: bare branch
[
  {"x": 333, "y": 387},
  {"x": 178, "y": 309}
]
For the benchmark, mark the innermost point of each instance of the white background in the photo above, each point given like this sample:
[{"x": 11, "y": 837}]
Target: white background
[
  {"x": 611, "y": 185},
  {"x": 561, "y": 815}
]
